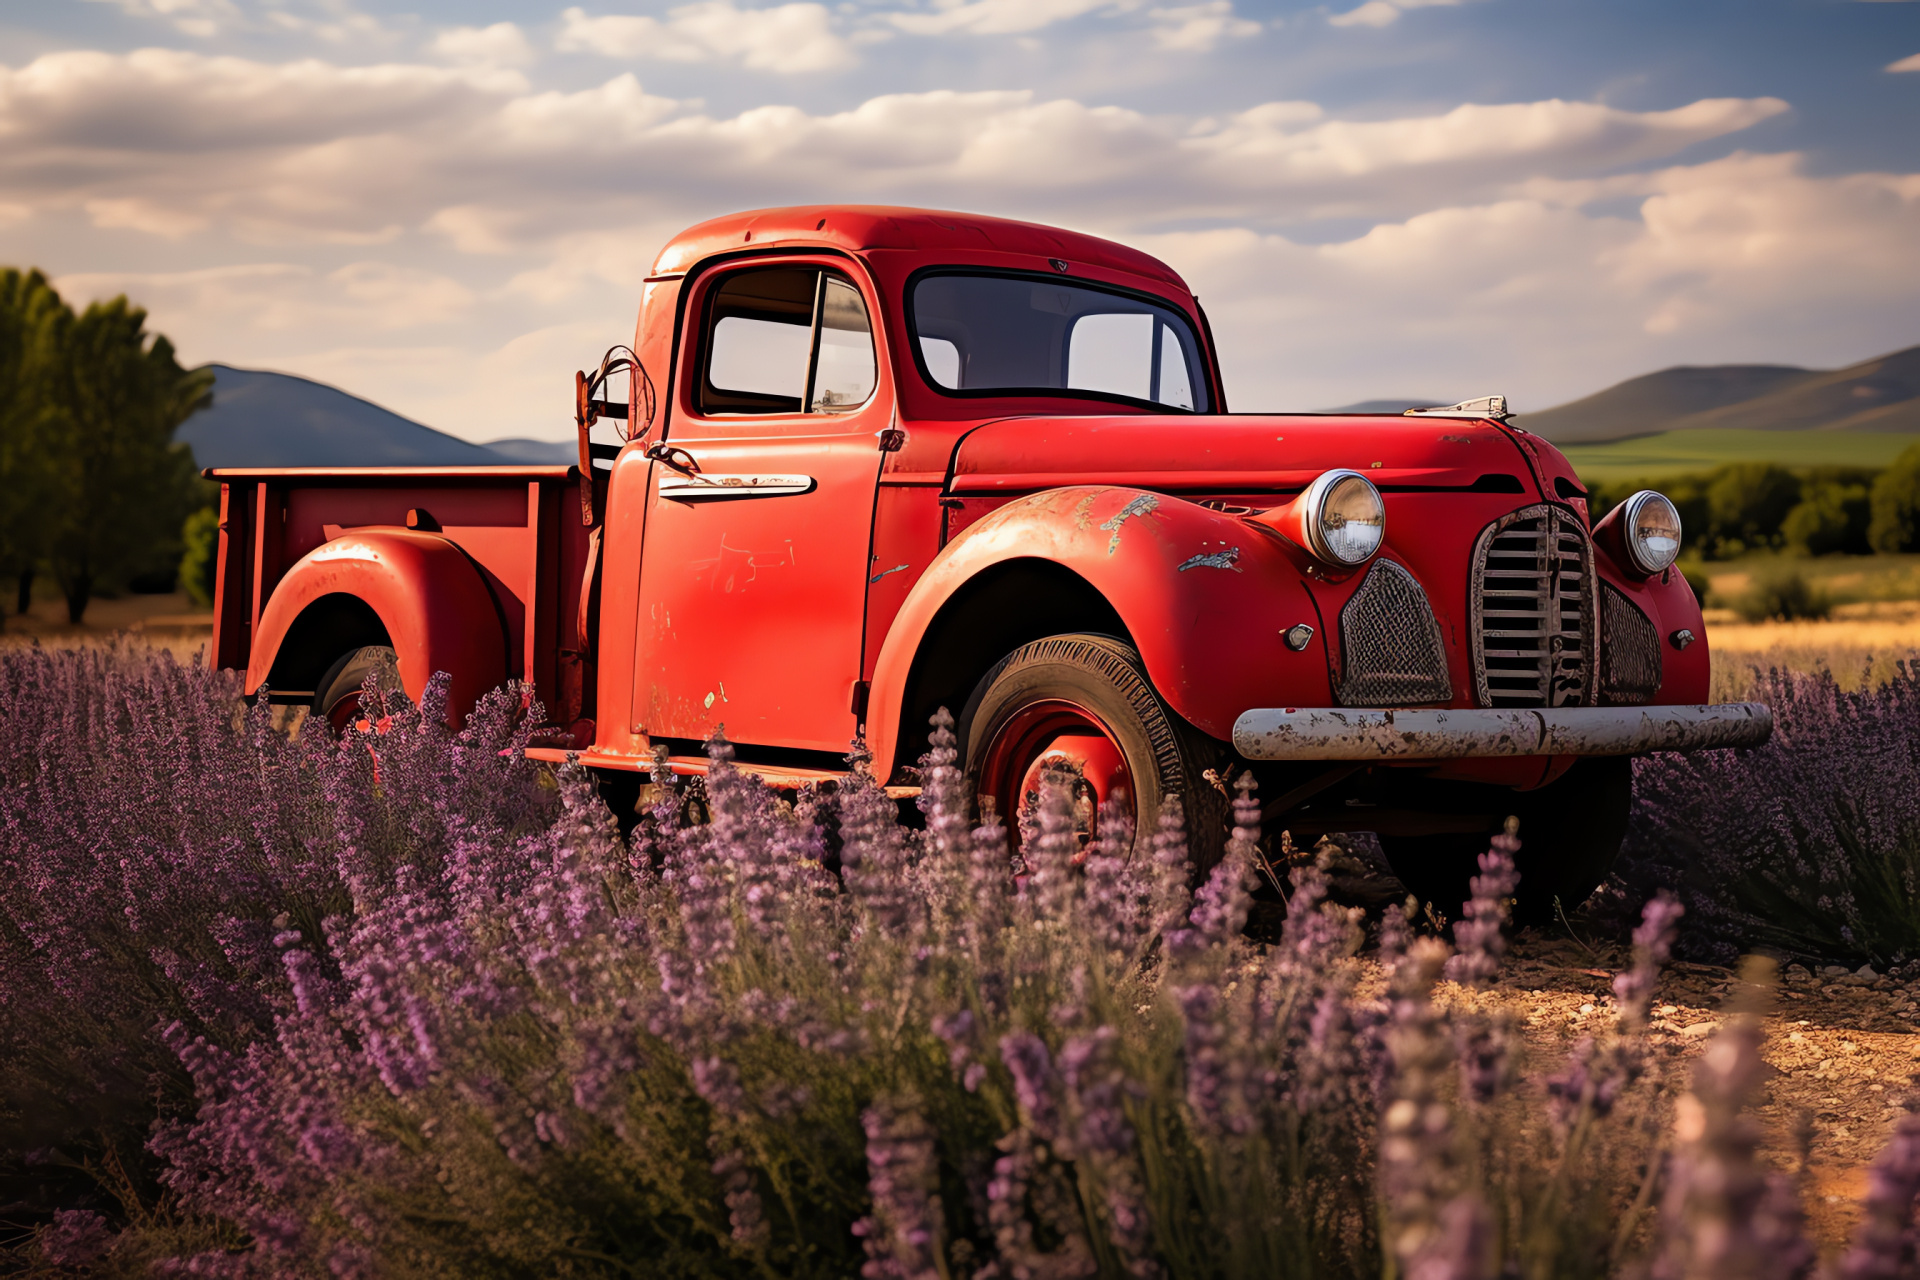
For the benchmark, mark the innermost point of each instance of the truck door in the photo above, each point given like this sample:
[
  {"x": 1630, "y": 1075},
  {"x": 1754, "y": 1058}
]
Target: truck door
[{"x": 754, "y": 573}]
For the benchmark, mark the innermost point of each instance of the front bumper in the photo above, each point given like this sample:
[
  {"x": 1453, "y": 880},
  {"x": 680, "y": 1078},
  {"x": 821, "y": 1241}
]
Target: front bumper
[{"x": 1348, "y": 733}]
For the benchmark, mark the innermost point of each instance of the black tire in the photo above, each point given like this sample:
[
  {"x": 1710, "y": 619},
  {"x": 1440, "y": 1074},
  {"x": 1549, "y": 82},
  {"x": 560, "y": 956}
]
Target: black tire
[
  {"x": 1164, "y": 754},
  {"x": 336, "y": 700},
  {"x": 1570, "y": 833}
]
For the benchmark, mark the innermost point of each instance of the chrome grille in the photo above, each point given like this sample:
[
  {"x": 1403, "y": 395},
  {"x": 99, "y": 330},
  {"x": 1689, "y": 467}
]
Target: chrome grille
[
  {"x": 1392, "y": 651},
  {"x": 1629, "y": 650},
  {"x": 1533, "y": 611}
]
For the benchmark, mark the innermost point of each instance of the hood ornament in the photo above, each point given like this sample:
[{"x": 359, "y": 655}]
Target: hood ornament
[{"x": 1494, "y": 407}]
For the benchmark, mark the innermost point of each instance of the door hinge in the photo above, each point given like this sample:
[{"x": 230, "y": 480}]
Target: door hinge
[
  {"x": 892, "y": 439},
  {"x": 860, "y": 690}
]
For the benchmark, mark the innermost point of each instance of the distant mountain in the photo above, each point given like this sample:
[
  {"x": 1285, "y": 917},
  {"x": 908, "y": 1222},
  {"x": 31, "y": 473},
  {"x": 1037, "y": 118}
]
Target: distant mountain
[
  {"x": 1386, "y": 406},
  {"x": 1882, "y": 394},
  {"x": 262, "y": 419},
  {"x": 536, "y": 452}
]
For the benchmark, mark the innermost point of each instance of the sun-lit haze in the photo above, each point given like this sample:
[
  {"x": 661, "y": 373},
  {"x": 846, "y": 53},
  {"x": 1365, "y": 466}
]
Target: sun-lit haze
[{"x": 448, "y": 208}]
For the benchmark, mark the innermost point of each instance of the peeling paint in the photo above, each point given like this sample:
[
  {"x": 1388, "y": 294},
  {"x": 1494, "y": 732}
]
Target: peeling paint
[
  {"x": 708, "y": 704},
  {"x": 884, "y": 572},
  {"x": 1214, "y": 560},
  {"x": 1082, "y": 521},
  {"x": 1455, "y": 440},
  {"x": 1145, "y": 504}
]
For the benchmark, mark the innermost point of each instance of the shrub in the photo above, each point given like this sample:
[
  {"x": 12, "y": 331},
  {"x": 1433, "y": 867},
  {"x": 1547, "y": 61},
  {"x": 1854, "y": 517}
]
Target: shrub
[
  {"x": 1777, "y": 592},
  {"x": 1808, "y": 845},
  {"x": 483, "y": 1035},
  {"x": 1895, "y": 521},
  {"x": 1830, "y": 518},
  {"x": 201, "y": 559},
  {"x": 1748, "y": 501},
  {"x": 153, "y": 842}
]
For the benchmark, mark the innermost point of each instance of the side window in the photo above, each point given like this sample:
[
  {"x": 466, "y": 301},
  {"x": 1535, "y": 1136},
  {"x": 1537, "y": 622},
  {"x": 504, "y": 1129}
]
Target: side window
[{"x": 784, "y": 340}]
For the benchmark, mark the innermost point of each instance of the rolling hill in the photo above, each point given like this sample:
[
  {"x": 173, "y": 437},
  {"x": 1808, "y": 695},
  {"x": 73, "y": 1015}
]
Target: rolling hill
[
  {"x": 263, "y": 419},
  {"x": 1881, "y": 395}
]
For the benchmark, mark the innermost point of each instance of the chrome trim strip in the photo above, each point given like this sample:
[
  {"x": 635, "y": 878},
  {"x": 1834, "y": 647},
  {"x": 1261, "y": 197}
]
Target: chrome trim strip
[
  {"x": 1345, "y": 733},
  {"x": 712, "y": 485}
]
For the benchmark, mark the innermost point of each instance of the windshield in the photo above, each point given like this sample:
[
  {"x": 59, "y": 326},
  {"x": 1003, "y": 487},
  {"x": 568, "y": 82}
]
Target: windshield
[{"x": 984, "y": 333}]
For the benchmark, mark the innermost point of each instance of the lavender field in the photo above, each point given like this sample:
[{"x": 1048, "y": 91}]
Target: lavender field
[{"x": 405, "y": 1004}]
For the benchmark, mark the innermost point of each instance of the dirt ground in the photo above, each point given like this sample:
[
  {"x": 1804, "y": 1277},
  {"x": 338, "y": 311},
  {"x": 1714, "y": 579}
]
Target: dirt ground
[
  {"x": 171, "y": 621},
  {"x": 1845, "y": 1047}
]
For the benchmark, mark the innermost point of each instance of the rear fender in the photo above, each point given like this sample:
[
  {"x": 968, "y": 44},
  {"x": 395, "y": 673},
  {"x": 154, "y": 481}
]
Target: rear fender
[
  {"x": 423, "y": 591},
  {"x": 1202, "y": 595}
]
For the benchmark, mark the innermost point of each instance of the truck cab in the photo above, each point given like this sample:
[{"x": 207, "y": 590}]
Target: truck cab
[{"x": 876, "y": 463}]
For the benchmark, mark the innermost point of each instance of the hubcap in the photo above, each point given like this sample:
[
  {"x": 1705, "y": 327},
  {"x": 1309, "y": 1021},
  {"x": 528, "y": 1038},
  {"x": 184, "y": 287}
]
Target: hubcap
[{"x": 1064, "y": 741}]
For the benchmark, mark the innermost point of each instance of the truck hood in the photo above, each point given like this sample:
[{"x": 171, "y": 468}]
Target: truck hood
[{"x": 1251, "y": 454}]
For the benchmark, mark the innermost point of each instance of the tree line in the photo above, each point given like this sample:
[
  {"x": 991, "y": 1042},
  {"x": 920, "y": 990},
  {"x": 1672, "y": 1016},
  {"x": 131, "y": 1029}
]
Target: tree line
[
  {"x": 1752, "y": 506},
  {"x": 93, "y": 491}
]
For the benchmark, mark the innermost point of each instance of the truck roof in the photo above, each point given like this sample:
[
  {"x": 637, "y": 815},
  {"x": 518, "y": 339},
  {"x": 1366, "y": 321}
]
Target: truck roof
[{"x": 935, "y": 231}]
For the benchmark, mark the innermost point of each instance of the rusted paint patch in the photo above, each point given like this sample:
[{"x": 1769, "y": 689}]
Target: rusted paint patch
[
  {"x": 884, "y": 572},
  {"x": 1144, "y": 504},
  {"x": 1216, "y": 560}
]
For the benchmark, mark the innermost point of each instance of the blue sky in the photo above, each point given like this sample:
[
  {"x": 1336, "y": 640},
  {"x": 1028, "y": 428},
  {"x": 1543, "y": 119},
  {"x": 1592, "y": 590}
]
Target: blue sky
[{"x": 449, "y": 207}]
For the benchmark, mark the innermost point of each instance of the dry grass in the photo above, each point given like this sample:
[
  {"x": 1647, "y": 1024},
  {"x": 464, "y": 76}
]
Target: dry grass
[
  {"x": 1860, "y": 644},
  {"x": 171, "y": 622}
]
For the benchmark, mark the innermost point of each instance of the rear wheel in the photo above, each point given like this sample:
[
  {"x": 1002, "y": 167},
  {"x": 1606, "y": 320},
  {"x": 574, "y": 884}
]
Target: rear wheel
[
  {"x": 1081, "y": 707},
  {"x": 337, "y": 698},
  {"x": 1570, "y": 833}
]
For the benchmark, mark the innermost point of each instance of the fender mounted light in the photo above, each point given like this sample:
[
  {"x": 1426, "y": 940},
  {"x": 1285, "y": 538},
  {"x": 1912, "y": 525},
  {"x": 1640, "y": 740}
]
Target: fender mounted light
[{"x": 1340, "y": 519}]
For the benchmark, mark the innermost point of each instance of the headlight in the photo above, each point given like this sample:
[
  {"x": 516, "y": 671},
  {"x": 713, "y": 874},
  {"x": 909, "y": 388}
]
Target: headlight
[
  {"x": 1344, "y": 518},
  {"x": 1653, "y": 531}
]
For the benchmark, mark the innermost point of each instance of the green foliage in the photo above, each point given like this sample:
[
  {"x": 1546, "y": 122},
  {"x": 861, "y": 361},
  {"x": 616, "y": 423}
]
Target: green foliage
[
  {"x": 1747, "y": 502},
  {"x": 91, "y": 485},
  {"x": 1779, "y": 592},
  {"x": 1895, "y": 522},
  {"x": 200, "y": 559},
  {"x": 1831, "y": 517}
]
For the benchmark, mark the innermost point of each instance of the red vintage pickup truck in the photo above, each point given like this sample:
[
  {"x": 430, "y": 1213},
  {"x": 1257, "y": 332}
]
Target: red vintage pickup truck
[{"x": 900, "y": 460}]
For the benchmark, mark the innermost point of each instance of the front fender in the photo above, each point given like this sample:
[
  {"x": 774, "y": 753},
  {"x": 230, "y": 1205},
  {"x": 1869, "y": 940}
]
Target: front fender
[
  {"x": 437, "y": 611},
  {"x": 1204, "y": 596}
]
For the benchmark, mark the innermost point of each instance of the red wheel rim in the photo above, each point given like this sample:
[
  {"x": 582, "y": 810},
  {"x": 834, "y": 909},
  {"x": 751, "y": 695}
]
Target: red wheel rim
[{"x": 1060, "y": 736}]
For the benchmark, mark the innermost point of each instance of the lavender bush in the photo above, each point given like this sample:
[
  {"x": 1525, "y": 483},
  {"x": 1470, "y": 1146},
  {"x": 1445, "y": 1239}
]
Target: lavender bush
[
  {"x": 401, "y": 1004},
  {"x": 1809, "y": 845}
]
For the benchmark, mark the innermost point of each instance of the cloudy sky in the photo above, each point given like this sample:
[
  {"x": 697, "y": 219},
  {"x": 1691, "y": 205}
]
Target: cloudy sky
[{"x": 448, "y": 207}]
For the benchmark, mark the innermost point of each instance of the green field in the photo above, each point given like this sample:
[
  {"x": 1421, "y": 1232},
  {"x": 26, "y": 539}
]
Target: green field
[{"x": 1672, "y": 452}]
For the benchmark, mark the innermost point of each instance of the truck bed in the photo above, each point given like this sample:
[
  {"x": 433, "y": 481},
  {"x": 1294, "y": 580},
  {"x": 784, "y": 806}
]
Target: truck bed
[{"x": 519, "y": 525}]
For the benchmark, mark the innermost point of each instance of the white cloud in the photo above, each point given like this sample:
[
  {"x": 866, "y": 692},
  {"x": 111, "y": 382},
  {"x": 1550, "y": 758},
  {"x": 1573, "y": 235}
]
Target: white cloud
[
  {"x": 1198, "y": 28},
  {"x": 454, "y": 243},
  {"x": 999, "y": 17},
  {"x": 1380, "y": 13},
  {"x": 1911, "y": 63},
  {"x": 500, "y": 45},
  {"x": 201, "y": 19},
  {"x": 144, "y": 215},
  {"x": 787, "y": 38}
]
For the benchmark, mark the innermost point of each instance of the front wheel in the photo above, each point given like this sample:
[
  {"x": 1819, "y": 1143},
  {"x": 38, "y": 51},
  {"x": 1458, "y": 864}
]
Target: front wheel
[
  {"x": 1082, "y": 708},
  {"x": 1571, "y": 831}
]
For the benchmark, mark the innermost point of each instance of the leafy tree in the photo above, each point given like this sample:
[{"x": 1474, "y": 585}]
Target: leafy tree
[
  {"x": 1895, "y": 522},
  {"x": 1747, "y": 502},
  {"x": 28, "y": 308},
  {"x": 201, "y": 558},
  {"x": 1830, "y": 517},
  {"x": 120, "y": 487}
]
